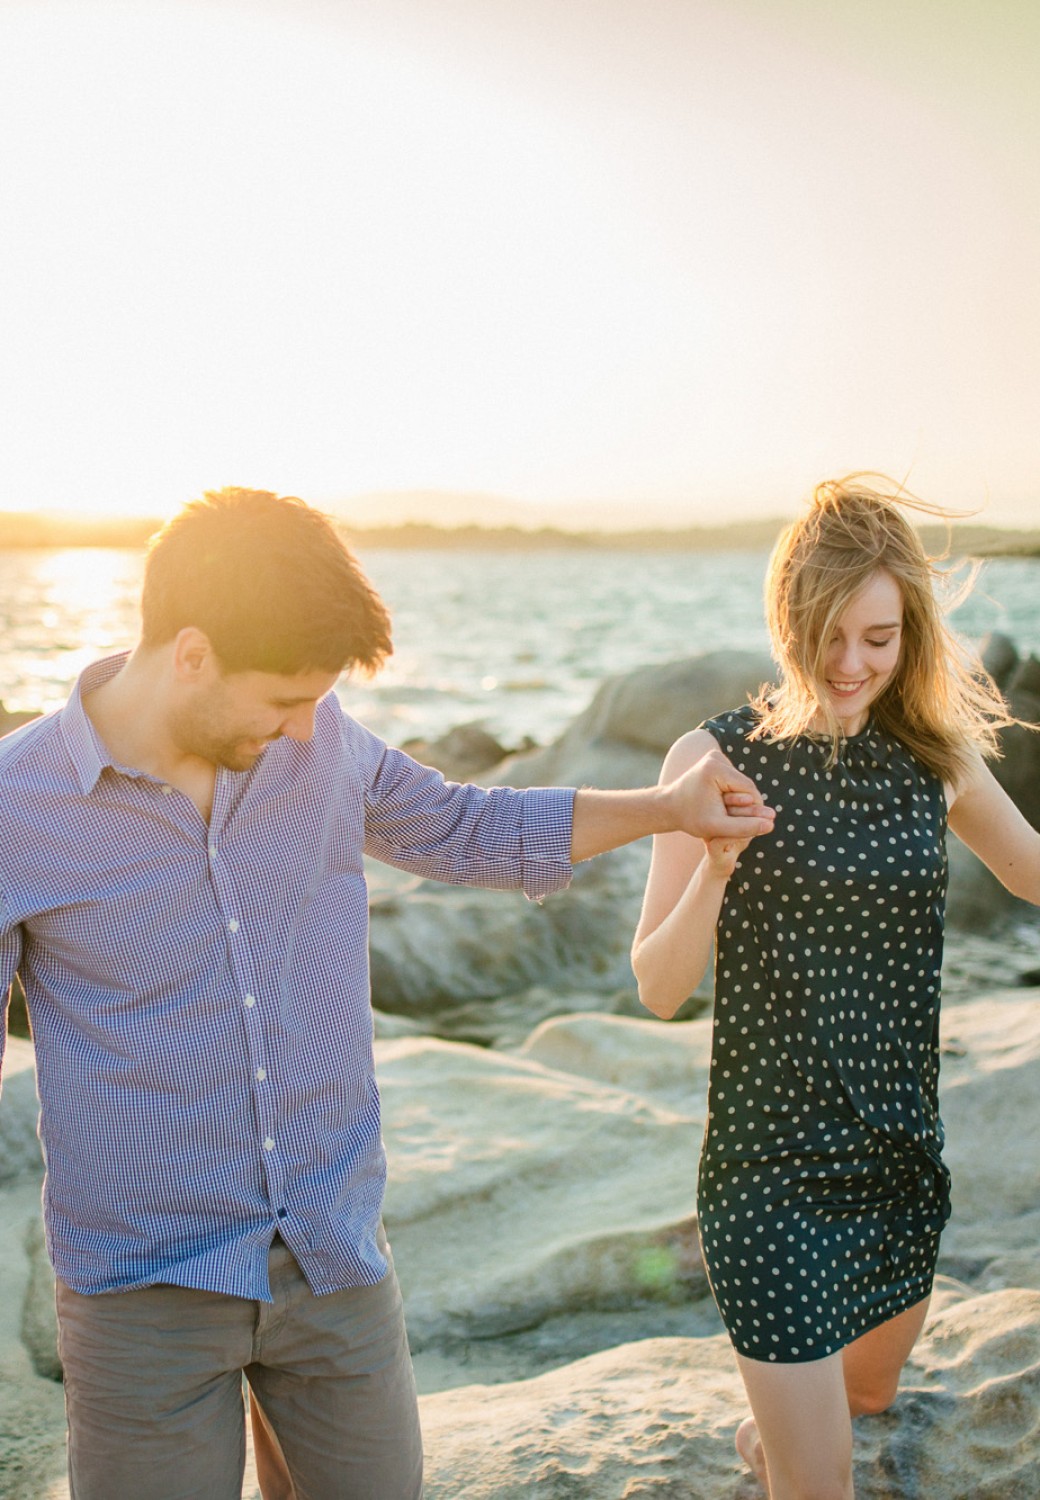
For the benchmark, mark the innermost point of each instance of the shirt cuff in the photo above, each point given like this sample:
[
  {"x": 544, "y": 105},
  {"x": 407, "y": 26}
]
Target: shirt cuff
[{"x": 545, "y": 840}]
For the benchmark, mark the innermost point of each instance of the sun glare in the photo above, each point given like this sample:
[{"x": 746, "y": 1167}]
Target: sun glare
[{"x": 302, "y": 249}]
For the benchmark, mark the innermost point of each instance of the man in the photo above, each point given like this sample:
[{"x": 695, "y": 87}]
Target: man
[{"x": 182, "y": 892}]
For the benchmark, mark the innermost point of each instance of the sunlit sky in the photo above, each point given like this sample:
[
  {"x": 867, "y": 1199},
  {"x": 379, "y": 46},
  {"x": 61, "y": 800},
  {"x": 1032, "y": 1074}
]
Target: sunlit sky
[{"x": 687, "y": 256}]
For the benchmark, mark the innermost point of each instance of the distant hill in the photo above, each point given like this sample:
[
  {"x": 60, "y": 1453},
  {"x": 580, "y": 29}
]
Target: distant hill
[
  {"x": 746, "y": 535},
  {"x": 420, "y": 518},
  {"x": 439, "y": 508},
  {"x": 19, "y": 530},
  {"x": 962, "y": 541},
  {"x": 971, "y": 540},
  {"x": 25, "y": 529},
  {"x": 446, "y": 509}
]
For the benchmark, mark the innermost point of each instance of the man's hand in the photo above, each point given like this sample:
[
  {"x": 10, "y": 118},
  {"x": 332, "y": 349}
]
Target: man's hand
[
  {"x": 713, "y": 801},
  {"x": 710, "y": 800}
]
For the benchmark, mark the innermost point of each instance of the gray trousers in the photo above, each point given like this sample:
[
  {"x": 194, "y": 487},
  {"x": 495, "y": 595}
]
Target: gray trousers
[{"x": 153, "y": 1390}]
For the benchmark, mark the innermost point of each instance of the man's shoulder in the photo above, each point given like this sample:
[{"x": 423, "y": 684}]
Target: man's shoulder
[
  {"x": 334, "y": 725},
  {"x": 34, "y": 770},
  {"x": 30, "y": 748}
]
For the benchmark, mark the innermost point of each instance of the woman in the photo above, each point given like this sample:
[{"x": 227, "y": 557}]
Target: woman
[{"x": 822, "y": 1189}]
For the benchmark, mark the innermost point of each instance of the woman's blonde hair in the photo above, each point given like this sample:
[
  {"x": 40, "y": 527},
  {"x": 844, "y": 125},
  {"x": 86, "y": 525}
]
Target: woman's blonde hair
[{"x": 939, "y": 702}]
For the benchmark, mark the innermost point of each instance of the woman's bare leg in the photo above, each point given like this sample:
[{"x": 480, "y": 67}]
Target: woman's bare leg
[
  {"x": 874, "y": 1362},
  {"x": 801, "y": 1420},
  {"x": 870, "y": 1368}
]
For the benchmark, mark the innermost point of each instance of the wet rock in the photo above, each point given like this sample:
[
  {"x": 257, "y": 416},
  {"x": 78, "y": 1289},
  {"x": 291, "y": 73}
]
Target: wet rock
[
  {"x": 999, "y": 656},
  {"x": 462, "y": 754}
]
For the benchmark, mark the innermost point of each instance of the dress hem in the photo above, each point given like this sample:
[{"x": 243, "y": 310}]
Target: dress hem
[{"x": 903, "y": 1306}]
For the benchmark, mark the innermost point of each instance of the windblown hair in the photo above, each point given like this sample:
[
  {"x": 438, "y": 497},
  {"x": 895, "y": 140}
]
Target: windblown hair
[
  {"x": 940, "y": 702},
  {"x": 269, "y": 581}
]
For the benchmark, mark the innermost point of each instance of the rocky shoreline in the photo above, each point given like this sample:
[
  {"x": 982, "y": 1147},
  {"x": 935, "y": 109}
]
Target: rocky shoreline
[{"x": 543, "y": 1139}]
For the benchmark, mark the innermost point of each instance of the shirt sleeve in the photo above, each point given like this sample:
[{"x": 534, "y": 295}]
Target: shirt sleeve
[
  {"x": 10, "y": 957},
  {"x": 466, "y": 835}
]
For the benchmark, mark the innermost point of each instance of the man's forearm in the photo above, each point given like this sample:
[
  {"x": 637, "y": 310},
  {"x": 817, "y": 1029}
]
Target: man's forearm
[{"x": 606, "y": 820}]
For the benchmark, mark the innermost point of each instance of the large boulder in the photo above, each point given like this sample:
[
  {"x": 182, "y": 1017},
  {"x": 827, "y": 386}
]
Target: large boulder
[
  {"x": 436, "y": 949},
  {"x": 519, "y": 1191},
  {"x": 464, "y": 752},
  {"x": 977, "y": 900},
  {"x": 989, "y": 1089},
  {"x": 1019, "y": 770},
  {"x": 999, "y": 655},
  {"x": 649, "y": 1418},
  {"x": 623, "y": 735},
  {"x": 556, "y": 1184}
]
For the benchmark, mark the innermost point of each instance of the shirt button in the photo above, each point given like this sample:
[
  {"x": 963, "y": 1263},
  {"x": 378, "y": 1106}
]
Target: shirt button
[
  {"x": 166, "y": 790},
  {"x": 213, "y": 851},
  {"x": 268, "y": 1144},
  {"x": 261, "y": 1074},
  {"x": 250, "y": 1001},
  {"x": 233, "y": 925}
]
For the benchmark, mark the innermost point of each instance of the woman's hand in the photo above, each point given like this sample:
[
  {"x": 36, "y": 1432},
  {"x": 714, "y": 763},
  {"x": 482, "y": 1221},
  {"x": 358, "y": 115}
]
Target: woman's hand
[{"x": 721, "y": 855}]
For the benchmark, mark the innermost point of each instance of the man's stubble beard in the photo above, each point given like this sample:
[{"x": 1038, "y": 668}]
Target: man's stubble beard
[{"x": 198, "y": 734}]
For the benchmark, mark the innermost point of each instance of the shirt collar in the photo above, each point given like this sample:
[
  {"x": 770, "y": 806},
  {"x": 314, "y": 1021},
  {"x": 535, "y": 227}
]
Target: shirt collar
[
  {"x": 869, "y": 750},
  {"x": 86, "y": 749}
]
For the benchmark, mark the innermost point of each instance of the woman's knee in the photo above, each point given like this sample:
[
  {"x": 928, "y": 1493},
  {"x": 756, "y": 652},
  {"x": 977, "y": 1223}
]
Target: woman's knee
[{"x": 872, "y": 1400}]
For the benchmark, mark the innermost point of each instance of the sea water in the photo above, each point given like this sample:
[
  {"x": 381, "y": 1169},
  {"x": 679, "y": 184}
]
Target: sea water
[{"x": 518, "y": 640}]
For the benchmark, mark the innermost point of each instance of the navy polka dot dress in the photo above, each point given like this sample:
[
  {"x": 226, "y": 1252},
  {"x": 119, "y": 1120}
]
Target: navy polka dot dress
[{"x": 822, "y": 1189}]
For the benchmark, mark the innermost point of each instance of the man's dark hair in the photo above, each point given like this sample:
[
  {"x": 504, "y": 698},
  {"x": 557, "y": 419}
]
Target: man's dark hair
[{"x": 269, "y": 581}]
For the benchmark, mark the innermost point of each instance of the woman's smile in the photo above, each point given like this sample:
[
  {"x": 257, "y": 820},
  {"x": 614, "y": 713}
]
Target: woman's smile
[{"x": 863, "y": 653}]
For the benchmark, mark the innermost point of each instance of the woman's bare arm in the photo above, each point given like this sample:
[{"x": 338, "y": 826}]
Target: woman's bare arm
[
  {"x": 683, "y": 898},
  {"x": 984, "y": 817}
]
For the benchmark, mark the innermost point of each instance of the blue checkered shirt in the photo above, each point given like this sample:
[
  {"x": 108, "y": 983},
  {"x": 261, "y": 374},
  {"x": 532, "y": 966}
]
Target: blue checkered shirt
[{"x": 199, "y": 995}]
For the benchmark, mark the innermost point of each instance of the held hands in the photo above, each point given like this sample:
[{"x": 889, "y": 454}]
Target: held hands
[
  {"x": 720, "y": 805},
  {"x": 705, "y": 798},
  {"x": 702, "y": 796}
]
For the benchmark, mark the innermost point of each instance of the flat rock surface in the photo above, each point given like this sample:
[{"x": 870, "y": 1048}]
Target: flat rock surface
[
  {"x": 657, "y": 1418},
  {"x": 541, "y": 1213}
]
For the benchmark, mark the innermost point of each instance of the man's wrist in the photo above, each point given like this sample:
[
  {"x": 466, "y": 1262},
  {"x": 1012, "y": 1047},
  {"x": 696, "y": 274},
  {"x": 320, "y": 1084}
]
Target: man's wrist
[{"x": 663, "y": 808}]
